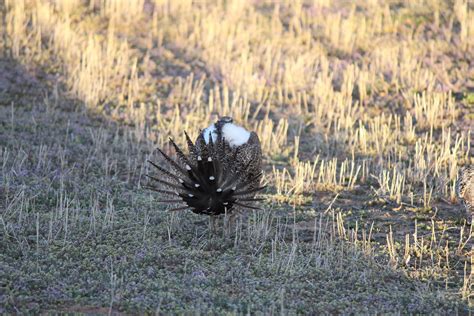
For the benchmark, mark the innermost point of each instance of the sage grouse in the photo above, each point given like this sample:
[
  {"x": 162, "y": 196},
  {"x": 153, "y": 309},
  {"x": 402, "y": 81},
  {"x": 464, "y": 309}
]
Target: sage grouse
[
  {"x": 221, "y": 173},
  {"x": 465, "y": 189}
]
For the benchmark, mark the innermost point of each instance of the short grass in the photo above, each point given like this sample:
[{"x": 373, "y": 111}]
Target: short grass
[
  {"x": 80, "y": 234},
  {"x": 364, "y": 110}
]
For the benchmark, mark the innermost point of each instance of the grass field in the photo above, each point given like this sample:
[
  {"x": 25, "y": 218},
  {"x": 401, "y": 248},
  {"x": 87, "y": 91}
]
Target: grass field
[{"x": 365, "y": 111}]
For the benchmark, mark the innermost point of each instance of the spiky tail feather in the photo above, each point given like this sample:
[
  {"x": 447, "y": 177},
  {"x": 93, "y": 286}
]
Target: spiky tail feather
[{"x": 210, "y": 180}]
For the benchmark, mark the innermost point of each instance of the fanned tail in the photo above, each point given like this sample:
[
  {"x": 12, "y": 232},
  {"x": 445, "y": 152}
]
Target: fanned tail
[{"x": 209, "y": 180}]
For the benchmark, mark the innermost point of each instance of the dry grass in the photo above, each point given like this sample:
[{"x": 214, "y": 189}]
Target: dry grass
[{"x": 364, "y": 110}]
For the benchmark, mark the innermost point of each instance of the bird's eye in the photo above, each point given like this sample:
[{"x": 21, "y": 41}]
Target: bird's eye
[{"x": 226, "y": 119}]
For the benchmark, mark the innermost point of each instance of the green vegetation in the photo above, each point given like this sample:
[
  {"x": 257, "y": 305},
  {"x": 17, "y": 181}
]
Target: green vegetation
[{"x": 364, "y": 113}]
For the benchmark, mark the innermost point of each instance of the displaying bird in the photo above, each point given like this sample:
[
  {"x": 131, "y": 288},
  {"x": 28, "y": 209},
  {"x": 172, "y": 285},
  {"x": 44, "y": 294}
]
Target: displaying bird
[
  {"x": 465, "y": 190},
  {"x": 221, "y": 172}
]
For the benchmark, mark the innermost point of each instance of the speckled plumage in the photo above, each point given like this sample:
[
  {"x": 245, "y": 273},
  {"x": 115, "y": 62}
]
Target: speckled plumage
[
  {"x": 215, "y": 177},
  {"x": 465, "y": 189}
]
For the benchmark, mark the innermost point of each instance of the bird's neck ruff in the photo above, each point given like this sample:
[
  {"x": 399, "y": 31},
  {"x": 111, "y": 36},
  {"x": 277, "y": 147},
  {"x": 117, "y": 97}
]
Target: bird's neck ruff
[{"x": 234, "y": 134}]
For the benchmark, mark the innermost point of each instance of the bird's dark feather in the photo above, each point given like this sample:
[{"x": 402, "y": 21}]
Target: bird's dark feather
[{"x": 214, "y": 178}]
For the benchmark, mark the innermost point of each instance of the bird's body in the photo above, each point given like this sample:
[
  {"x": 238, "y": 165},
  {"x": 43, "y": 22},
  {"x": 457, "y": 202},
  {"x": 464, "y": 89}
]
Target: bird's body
[
  {"x": 465, "y": 190},
  {"x": 222, "y": 171}
]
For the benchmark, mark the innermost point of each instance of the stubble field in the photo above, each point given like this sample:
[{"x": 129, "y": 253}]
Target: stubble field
[{"x": 365, "y": 111}]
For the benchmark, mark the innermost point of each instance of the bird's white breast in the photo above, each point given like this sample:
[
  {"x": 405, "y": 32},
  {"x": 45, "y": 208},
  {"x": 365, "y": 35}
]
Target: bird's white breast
[{"x": 235, "y": 135}]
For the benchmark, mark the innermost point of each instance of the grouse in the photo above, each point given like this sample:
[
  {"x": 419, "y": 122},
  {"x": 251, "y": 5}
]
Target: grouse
[{"x": 222, "y": 171}]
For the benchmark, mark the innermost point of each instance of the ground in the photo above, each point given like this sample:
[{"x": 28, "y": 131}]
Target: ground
[{"x": 80, "y": 233}]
